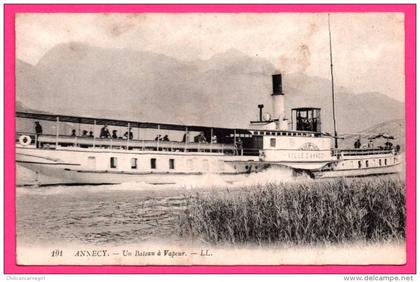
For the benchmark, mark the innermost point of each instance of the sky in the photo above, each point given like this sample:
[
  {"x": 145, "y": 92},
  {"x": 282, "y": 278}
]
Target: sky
[{"x": 368, "y": 48}]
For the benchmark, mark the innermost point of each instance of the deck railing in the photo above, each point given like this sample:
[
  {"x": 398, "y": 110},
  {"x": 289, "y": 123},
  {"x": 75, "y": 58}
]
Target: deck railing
[
  {"x": 47, "y": 140},
  {"x": 362, "y": 152}
]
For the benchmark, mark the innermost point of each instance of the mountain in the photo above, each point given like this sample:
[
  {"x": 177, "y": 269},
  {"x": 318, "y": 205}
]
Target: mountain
[
  {"x": 77, "y": 79},
  {"x": 394, "y": 128},
  {"x": 353, "y": 112}
]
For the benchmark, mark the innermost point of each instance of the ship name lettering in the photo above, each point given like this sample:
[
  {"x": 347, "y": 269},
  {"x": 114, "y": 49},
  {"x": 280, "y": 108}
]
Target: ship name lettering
[{"x": 304, "y": 155}]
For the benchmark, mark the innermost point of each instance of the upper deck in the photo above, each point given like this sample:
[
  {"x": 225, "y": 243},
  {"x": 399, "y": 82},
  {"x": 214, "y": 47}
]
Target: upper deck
[
  {"x": 272, "y": 144},
  {"x": 47, "y": 141},
  {"x": 66, "y": 131}
]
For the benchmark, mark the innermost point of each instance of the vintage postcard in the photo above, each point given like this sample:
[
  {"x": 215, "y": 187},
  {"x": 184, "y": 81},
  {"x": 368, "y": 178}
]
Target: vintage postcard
[{"x": 195, "y": 138}]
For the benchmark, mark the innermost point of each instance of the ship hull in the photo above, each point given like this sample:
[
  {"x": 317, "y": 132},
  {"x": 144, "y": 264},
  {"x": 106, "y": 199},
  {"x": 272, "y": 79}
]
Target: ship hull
[
  {"x": 73, "y": 167},
  {"x": 63, "y": 174},
  {"x": 77, "y": 166},
  {"x": 58, "y": 174},
  {"x": 392, "y": 169}
]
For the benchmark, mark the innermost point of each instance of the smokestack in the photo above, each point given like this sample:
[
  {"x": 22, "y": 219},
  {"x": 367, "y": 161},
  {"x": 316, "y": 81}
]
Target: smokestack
[
  {"x": 277, "y": 85},
  {"x": 261, "y": 106},
  {"x": 278, "y": 101}
]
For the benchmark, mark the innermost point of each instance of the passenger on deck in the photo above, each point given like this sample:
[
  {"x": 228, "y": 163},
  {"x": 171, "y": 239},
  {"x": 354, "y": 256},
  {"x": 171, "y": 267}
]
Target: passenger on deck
[
  {"x": 185, "y": 137},
  {"x": 306, "y": 124},
  {"x": 165, "y": 138},
  {"x": 105, "y": 132},
  {"x": 114, "y": 134},
  {"x": 200, "y": 138},
  {"x": 84, "y": 135},
  {"x": 38, "y": 128},
  {"x": 73, "y": 132},
  {"x": 389, "y": 145},
  {"x": 370, "y": 144},
  {"x": 128, "y": 134},
  {"x": 38, "y": 131},
  {"x": 158, "y": 138},
  {"x": 214, "y": 139},
  {"x": 239, "y": 144},
  {"x": 91, "y": 134},
  {"x": 315, "y": 125},
  {"x": 357, "y": 144},
  {"x": 299, "y": 121}
]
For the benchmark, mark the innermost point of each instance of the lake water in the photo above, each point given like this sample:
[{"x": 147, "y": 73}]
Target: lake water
[
  {"x": 145, "y": 217},
  {"x": 138, "y": 217},
  {"x": 114, "y": 214},
  {"x": 109, "y": 214}
]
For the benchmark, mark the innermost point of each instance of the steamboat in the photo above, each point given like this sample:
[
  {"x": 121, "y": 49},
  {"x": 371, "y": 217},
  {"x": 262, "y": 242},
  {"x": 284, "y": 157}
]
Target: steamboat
[{"x": 292, "y": 145}]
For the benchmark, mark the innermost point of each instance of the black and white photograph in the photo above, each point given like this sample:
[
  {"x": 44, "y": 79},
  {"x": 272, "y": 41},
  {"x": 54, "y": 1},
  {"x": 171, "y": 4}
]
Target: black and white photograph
[{"x": 210, "y": 139}]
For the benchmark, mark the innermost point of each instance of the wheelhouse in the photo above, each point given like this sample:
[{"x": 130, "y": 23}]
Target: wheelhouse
[{"x": 306, "y": 119}]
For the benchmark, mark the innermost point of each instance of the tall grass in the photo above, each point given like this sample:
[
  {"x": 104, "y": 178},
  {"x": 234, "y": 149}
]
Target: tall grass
[{"x": 335, "y": 211}]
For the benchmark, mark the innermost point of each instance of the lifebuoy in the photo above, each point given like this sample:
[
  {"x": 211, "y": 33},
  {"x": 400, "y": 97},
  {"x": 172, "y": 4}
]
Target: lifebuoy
[{"x": 25, "y": 140}]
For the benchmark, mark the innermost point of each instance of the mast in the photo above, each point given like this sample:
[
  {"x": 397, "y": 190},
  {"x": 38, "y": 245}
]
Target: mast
[{"x": 332, "y": 85}]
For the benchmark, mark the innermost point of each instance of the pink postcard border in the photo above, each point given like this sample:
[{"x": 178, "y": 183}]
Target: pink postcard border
[{"x": 10, "y": 266}]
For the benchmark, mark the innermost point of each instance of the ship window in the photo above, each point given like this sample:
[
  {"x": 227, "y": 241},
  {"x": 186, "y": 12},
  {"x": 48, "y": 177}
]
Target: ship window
[
  {"x": 360, "y": 164},
  {"x": 380, "y": 162},
  {"x": 153, "y": 163},
  {"x": 134, "y": 163},
  {"x": 272, "y": 142},
  {"x": 113, "y": 162},
  {"x": 385, "y": 162},
  {"x": 92, "y": 162},
  {"x": 171, "y": 163},
  {"x": 367, "y": 163}
]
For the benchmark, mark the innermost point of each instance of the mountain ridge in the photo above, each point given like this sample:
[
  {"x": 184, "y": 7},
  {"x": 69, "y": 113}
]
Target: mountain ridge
[{"x": 78, "y": 79}]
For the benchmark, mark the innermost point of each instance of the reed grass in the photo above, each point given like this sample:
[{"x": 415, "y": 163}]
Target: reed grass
[{"x": 314, "y": 212}]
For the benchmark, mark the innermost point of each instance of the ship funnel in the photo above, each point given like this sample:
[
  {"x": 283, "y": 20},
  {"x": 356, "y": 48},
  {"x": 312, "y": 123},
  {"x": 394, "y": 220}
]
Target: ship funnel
[
  {"x": 261, "y": 106},
  {"x": 277, "y": 85},
  {"x": 278, "y": 103}
]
